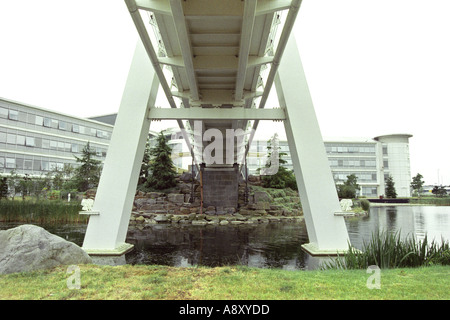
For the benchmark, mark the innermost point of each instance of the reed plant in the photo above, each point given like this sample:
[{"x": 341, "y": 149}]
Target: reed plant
[
  {"x": 41, "y": 211},
  {"x": 444, "y": 201},
  {"x": 389, "y": 250}
]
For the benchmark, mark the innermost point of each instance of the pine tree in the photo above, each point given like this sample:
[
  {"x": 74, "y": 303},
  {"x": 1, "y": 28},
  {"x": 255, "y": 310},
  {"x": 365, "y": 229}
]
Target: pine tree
[
  {"x": 145, "y": 166},
  {"x": 390, "y": 188},
  {"x": 283, "y": 177},
  {"x": 161, "y": 166},
  {"x": 87, "y": 175},
  {"x": 3, "y": 188},
  {"x": 417, "y": 184}
]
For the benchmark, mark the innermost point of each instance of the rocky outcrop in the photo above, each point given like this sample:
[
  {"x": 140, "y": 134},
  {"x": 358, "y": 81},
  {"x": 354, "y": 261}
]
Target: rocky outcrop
[
  {"x": 176, "y": 206},
  {"x": 29, "y": 247}
]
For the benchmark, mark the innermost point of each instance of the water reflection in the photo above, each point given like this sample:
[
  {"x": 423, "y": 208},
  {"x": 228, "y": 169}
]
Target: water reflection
[
  {"x": 416, "y": 221},
  {"x": 268, "y": 245},
  {"x": 272, "y": 245}
]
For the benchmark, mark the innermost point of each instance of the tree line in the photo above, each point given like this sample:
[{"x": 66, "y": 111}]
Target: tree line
[{"x": 58, "y": 182}]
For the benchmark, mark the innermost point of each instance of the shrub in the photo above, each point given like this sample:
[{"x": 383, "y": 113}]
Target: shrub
[
  {"x": 365, "y": 204},
  {"x": 388, "y": 250}
]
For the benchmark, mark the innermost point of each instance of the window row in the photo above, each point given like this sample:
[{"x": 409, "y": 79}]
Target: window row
[
  {"x": 37, "y": 142},
  {"x": 30, "y": 164},
  {"x": 360, "y": 176},
  {"x": 52, "y": 123},
  {"x": 348, "y": 163},
  {"x": 369, "y": 191},
  {"x": 350, "y": 148}
]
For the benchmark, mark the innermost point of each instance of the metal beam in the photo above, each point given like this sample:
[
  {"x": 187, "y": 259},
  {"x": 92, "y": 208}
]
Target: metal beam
[
  {"x": 289, "y": 24},
  {"x": 156, "y": 6},
  {"x": 218, "y": 97},
  {"x": 246, "y": 37},
  {"x": 215, "y": 114},
  {"x": 185, "y": 45},
  {"x": 142, "y": 31},
  {"x": 271, "y": 6},
  {"x": 227, "y": 8}
]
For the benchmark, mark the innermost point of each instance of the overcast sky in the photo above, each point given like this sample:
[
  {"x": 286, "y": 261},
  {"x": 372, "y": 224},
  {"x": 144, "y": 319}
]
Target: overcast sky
[{"x": 374, "y": 67}]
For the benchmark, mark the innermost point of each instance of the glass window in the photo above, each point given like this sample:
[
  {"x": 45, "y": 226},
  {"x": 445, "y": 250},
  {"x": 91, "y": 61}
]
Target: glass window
[
  {"x": 13, "y": 115},
  {"x": 10, "y": 163},
  {"x": 76, "y": 128},
  {"x": 28, "y": 164},
  {"x": 45, "y": 166},
  {"x": 74, "y": 147},
  {"x": 47, "y": 122},
  {"x": 39, "y": 121},
  {"x": 3, "y": 113},
  {"x": 54, "y": 123},
  {"x": 67, "y": 147},
  {"x": 30, "y": 142},
  {"x": 60, "y": 146},
  {"x": 62, "y": 125},
  {"x": 3, "y": 137},
  {"x": 2, "y": 162},
  {"x": 52, "y": 165}
]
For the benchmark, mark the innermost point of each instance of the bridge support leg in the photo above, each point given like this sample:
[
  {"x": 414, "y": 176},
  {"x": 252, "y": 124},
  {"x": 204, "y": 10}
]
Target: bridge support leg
[
  {"x": 106, "y": 232},
  {"x": 327, "y": 233}
]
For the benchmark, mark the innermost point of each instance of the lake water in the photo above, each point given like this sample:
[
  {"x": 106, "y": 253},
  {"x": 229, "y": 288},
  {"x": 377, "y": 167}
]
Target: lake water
[{"x": 272, "y": 245}]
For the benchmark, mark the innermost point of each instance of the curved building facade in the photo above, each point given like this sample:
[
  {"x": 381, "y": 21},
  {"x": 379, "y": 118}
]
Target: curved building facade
[{"x": 396, "y": 161}]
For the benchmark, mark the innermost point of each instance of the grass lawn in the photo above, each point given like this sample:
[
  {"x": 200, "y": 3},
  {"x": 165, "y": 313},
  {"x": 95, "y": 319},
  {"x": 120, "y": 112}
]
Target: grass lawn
[{"x": 225, "y": 283}]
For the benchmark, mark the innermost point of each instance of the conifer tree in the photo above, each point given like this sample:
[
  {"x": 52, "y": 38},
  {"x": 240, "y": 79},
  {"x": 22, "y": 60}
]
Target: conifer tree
[
  {"x": 87, "y": 175},
  {"x": 390, "y": 188},
  {"x": 281, "y": 177},
  {"x": 161, "y": 166}
]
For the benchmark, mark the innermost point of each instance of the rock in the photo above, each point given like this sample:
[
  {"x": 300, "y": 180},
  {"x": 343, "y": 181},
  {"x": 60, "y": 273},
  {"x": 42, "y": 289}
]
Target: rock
[
  {"x": 176, "y": 198},
  {"x": 185, "y": 210},
  {"x": 139, "y": 219},
  {"x": 262, "y": 206},
  {"x": 186, "y": 177},
  {"x": 161, "y": 218},
  {"x": 262, "y": 196},
  {"x": 223, "y": 222},
  {"x": 199, "y": 222},
  {"x": 29, "y": 247},
  {"x": 245, "y": 212},
  {"x": 253, "y": 178}
]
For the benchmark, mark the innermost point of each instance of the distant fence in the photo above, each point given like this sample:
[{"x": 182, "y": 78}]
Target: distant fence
[{"x": 389, "y": 200}]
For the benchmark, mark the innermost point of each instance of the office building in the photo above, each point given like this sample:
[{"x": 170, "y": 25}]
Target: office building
[{"x": 35, "y": 141}]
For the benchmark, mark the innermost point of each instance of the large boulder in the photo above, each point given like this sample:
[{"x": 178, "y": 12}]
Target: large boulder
[{"x": 29, "y": 247}]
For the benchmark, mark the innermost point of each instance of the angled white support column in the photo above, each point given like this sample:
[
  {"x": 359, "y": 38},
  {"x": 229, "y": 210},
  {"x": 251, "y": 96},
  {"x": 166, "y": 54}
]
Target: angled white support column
[
  {"x": 327, "y": 233},
  {"x": 106, "y": 232}
]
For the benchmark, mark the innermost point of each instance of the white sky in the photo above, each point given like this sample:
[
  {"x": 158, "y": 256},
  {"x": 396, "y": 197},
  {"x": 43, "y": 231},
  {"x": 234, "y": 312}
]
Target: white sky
[{"x": 374, "y": 67}]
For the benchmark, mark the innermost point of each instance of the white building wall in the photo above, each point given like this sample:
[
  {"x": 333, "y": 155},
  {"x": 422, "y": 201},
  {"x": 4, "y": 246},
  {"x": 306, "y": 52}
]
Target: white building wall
[{"x": 398, "y": 161}]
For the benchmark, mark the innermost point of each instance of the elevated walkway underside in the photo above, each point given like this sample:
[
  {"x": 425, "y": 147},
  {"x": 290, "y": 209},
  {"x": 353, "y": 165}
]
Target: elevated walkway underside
[{"x": 215, "y": 54}]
